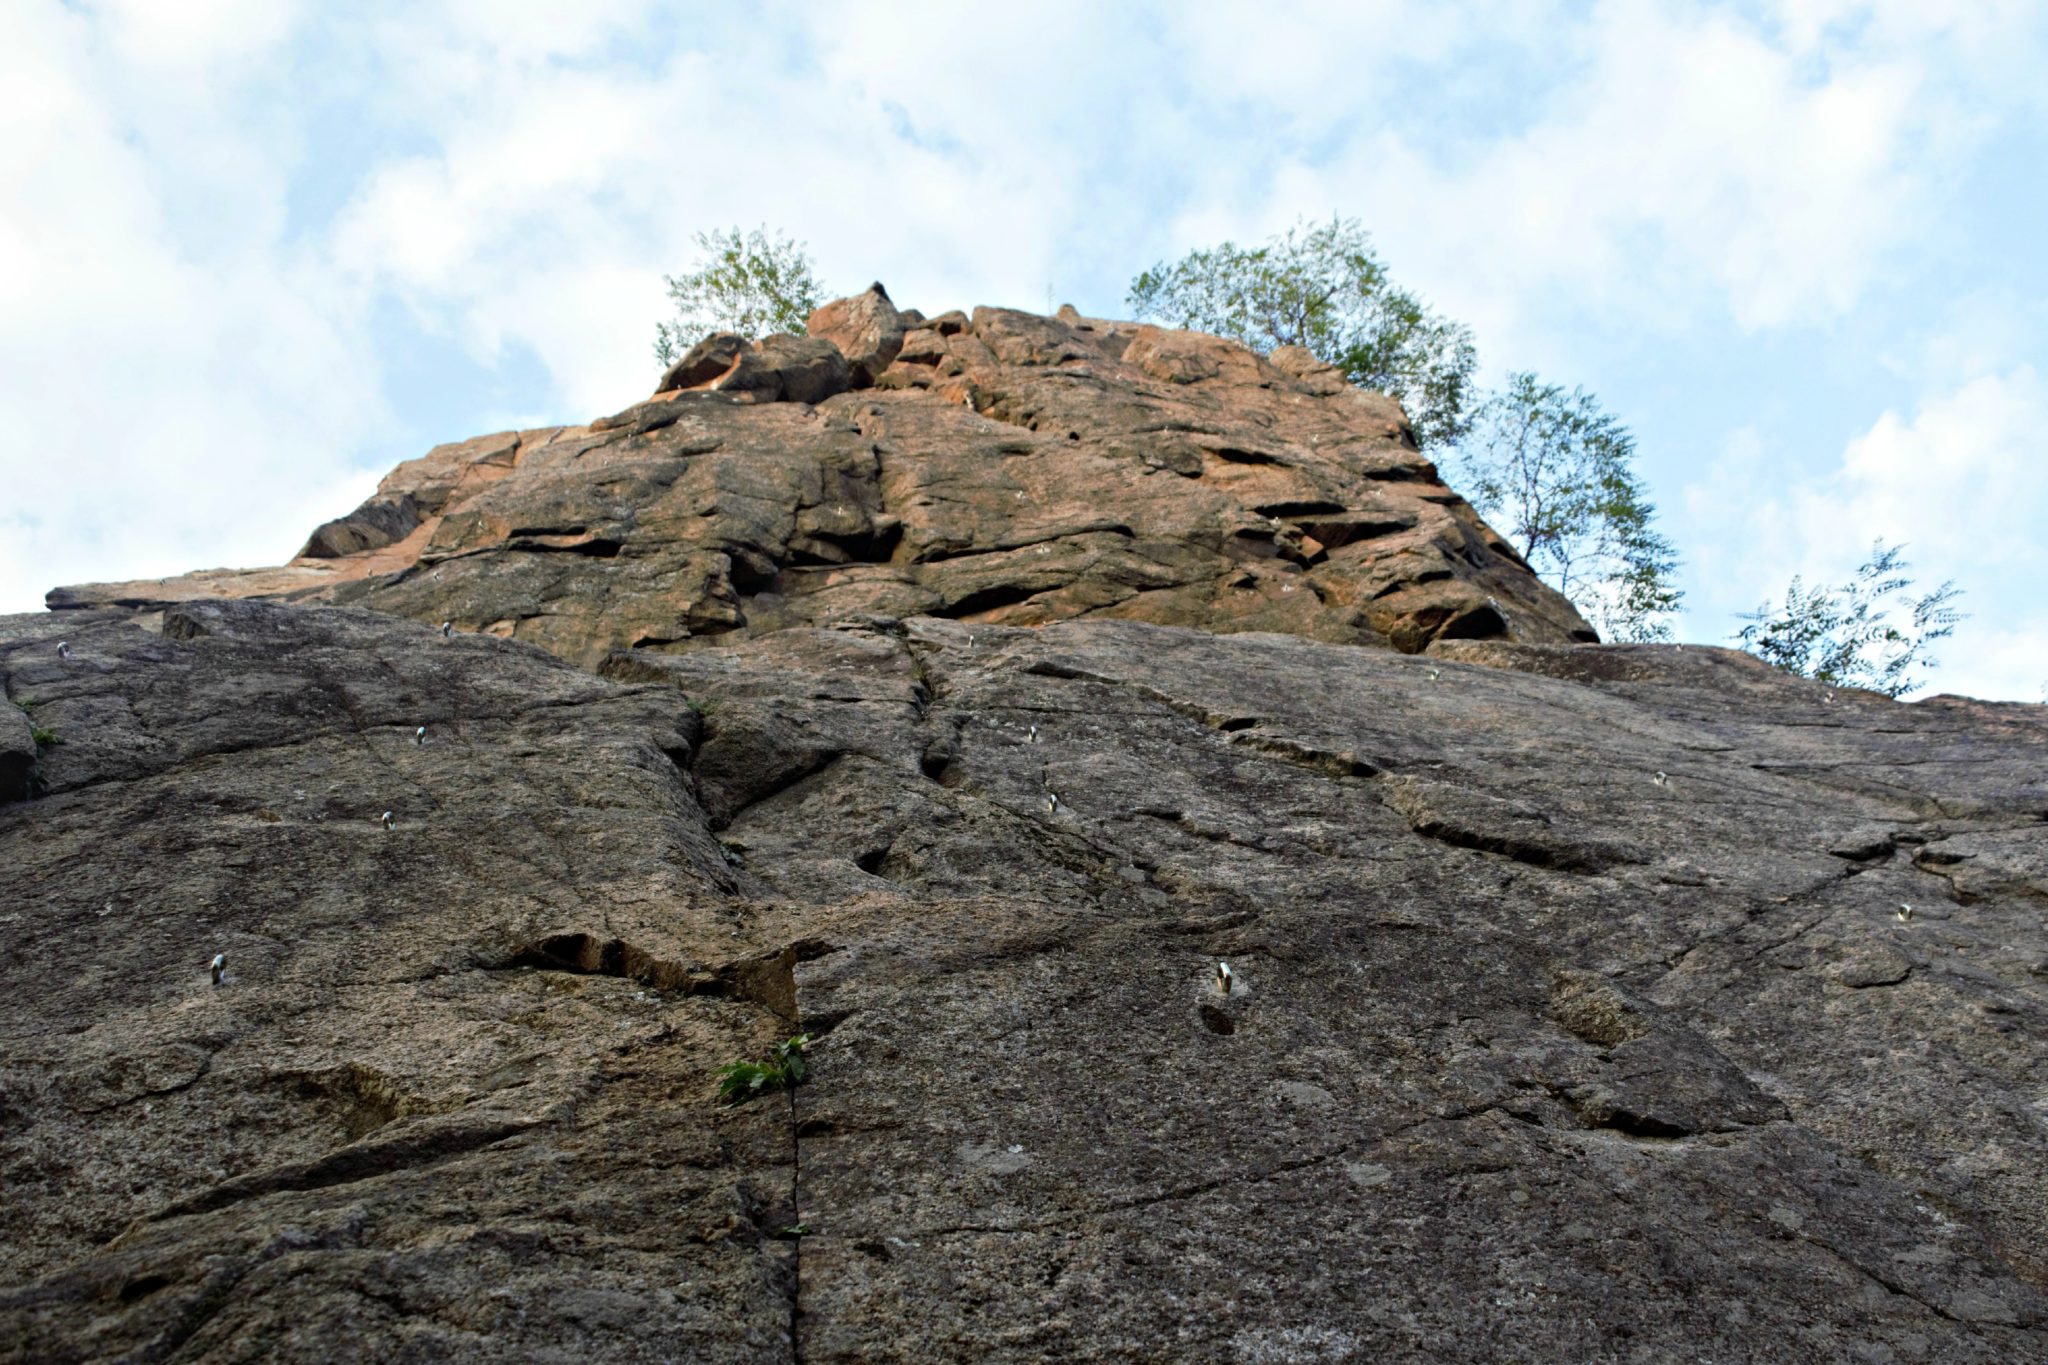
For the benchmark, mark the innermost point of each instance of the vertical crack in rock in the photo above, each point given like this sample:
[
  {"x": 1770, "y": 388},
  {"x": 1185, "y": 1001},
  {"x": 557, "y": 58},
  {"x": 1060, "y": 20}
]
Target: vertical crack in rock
[{"x": 796, "y": 1200}]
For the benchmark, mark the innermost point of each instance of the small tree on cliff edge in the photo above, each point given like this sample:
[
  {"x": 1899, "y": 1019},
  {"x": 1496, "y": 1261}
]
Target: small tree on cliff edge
[
  {"x": 1320, "y": 287},
  {"x": 747, "y": 282},
  {"x": 1551, "y": 462},
  {"x": 1554, "y": 471},
  {"x": 1850, "y": 636}
]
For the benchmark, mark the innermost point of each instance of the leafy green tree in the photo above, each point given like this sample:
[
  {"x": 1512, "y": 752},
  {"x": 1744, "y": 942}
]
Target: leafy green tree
[
  {"x": 748, "y": 283},
  {"x": 1554, "y": 466},
  {"x": 1554, "y": 471},
  {"x": 1320, "y": 287},
  {"x": 1871, "y": 632}
]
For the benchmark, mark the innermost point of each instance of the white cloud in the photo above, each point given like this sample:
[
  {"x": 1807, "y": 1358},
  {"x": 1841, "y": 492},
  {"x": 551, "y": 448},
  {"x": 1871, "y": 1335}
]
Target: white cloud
[
  {"x": 194, "y": 38},
  {"x": 1981, "y": 332},
  {"x": 1690, "y": 164},
  {"x": 1960, "y": 482},
  {"x": 1994, "y": 40},
  {"x": 1999, "y": 661},
  {"x": 545, "y": 219},
  {"x": 168, "y": 398},
  {"x": 1647, "y": 167},
  {"x": 1963, "y": 480}
]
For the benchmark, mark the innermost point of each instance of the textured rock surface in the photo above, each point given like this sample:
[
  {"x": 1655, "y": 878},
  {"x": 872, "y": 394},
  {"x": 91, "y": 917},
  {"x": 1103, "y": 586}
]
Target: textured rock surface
[
  {"x": 17, "y": 752},
  {"x": 377, "y": 523},
  {"x": 1004, "y": 469},
  {"x": 1602, "y": 1003},
  {"x": 406, "y": 1122},
  {"x": 704, "y": 362},
  {"x": 1572, "y": 1016},
  {"x": 866, "y": 328}
]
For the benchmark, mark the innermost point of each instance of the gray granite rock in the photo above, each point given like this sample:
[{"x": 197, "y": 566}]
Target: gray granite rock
[
  {"x": 1524, "y": 1056},
  {"x": 17, "y": 752}
]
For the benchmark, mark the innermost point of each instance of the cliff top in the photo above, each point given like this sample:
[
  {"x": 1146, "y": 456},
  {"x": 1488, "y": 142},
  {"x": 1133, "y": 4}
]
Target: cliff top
[{"x": 999, "y": 468}]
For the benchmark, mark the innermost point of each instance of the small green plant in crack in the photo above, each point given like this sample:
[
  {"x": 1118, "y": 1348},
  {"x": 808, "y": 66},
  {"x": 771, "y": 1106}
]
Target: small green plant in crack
[
  {"x": 43, "y": 735},
  {"x": 741, "y": 1081}
]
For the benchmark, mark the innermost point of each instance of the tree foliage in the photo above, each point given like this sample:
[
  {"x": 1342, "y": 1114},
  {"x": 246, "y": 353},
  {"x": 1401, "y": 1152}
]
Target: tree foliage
[
  {"x": 1320, "y": 287},
  {"x": 746, "y": 282},
  {"x": 1871, "y": 632},
  {"x": 1555, "y": 473}
]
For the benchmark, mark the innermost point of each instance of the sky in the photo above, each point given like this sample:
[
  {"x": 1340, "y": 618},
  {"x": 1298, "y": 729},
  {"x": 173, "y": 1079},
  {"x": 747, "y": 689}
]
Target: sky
[{"x": 253, "y": 253}]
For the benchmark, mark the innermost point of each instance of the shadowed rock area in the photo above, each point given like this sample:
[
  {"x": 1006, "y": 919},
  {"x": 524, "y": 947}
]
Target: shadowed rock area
[{"x": 1605, "y": 1003}]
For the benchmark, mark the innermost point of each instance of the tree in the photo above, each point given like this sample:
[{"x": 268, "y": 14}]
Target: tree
[
  {"x": 1551, "y": 462},
  {"x": 1320, "y": 287},
  {"x": 748, "y": 283},
  {"x": 1554, "y": 470},
  {"x": 1851, "y": 636}
]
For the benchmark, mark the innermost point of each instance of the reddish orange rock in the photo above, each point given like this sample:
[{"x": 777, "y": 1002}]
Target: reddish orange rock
[{"x": 1004, "y": 467}]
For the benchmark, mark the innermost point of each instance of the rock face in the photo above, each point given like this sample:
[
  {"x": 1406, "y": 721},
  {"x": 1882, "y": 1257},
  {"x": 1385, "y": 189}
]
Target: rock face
[
  {"x": 377, "y": 523},
  {"x": 866, "y": 328},
  {"x": 1571, "y": 1014},
  {"x": 704, "y": 362},
  {"x": 967, "y": 693},
  {"x": 18, "y": 752},
  {"x": 1003, "y": 469}
]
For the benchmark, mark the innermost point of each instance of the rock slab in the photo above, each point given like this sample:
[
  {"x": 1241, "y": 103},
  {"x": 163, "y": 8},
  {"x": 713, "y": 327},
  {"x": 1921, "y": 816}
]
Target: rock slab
[{"x": 1524, "y": 1055}]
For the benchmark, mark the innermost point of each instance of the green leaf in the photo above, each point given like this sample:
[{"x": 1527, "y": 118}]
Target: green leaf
[
  {"x": 1556, "y": 473},
  {"x": 1320, "y": 287},
  {"x": 1852, "y": 636},
  {"x": 741, "y": 1081},
  {"x": 746, "y": 282}
]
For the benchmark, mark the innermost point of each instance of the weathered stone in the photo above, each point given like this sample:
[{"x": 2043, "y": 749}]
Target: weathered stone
[
  {"x": 1316, "y": 375},
  {"x": 397, "y": 1127},
  {"x": 379, "y": 522},
  {"x": 1006, "y": 469},
  {"x": 922, "y": 347},
  {"x": 1474, "y": 1093},
  {"x": 704, "y": 362},
  {"x": 17, "y": 752},
  {"x": 1876, "y": 965},
  {"x": 1178, "y": 357},
  {"x": 867, "y": 330},
  {"x": 451, "y": 473},
  {"x": 1583, "y": 1002},
  {"x": 787, "y": 369}
]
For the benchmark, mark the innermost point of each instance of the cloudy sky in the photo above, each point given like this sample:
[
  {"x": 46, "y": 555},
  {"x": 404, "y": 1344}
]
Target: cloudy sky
[{"x": 253, "y": 252}]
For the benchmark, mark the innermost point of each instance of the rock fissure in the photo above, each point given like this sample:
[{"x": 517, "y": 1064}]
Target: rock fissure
[
  {"x": 1890, "y": 1283},
  {"x": 361, "y": 1161},
  {"x": 796, "y": 1253},
  {"x": 196, "y": 1311},
  {"x": 159, "y": 1092}
]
